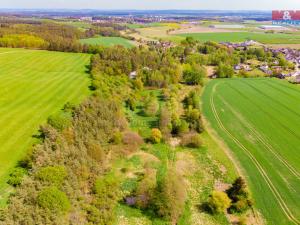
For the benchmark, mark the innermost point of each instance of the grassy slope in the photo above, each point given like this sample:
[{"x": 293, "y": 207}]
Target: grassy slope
[
  {"x": 262, "y": 116},
  {"x": 34, "y": 85},
  {"x": 204, "y": 165},
  {"x": 243, "y": 36},
  {"x": 107, "y": 41}
]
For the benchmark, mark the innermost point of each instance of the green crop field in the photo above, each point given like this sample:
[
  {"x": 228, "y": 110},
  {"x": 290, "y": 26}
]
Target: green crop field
[
  {"x": 33, "y": 85},
  {"x": 108, "y": 41},
  {"x": 259, "y": 120},
  {"x": 275, "y": 38}
]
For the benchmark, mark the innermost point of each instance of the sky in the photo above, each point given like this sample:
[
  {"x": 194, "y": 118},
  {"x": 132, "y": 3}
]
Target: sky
[{"x": 154, "y": 4}]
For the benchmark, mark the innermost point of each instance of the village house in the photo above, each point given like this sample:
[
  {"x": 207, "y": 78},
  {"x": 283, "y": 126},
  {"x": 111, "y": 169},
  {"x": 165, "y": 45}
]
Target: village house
[
  {"x": 132, "y": 75},
  {"x": 242, "y": 67},
  {"x": 297, "y": 79},
  {"x": 265, "y": 68}
]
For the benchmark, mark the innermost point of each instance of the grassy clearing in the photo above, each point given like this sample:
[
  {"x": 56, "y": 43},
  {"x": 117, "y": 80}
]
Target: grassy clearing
[
  {"x": 34, "y": 85},
  {"x": 243, "y": 36},
  {"x": 108, "y": 41},
  {"x": 264, "y": 140},
  {"x": 201, "y": 168}
]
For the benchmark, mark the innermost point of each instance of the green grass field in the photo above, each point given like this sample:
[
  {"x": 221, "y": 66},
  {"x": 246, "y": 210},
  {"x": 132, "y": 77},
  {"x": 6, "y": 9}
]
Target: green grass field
[
  {"x": 264, "y": 38},
  {"x": 33, "y": 85},
  {"x": 206, "y": 160},
  {"x": 108, "y": 41},
  {"x": 259, "y": 120}
]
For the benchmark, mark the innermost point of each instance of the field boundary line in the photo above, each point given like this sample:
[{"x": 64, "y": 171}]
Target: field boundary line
[
  {"x": 269, "y": 183},
  {"x": 262, "y": 140}
]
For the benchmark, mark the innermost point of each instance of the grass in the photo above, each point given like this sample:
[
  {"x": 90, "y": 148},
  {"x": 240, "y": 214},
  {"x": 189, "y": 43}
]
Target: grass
[
  {"x": 258, "y": 119},
  {"x": 33, "y": 85},
  {"x": 264, "y": 38},
  {"x": 108, "y": 41},
  {"x": 202, "y": 167}
]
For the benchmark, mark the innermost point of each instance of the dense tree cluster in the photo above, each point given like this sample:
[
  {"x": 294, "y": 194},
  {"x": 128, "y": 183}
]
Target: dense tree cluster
[
  {"x": 236, "y": 199},
  {"x": 44, "y": 35},
  {"x": 69, "y": 177},
  {"x": 68, "y": 170}
]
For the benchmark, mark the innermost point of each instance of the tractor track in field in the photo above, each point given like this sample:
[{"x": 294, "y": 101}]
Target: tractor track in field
[
  {"x": 261, "y": 170},
  {"x": 275, "y": 100},
  {"x": 262, "y": 140},
  {"x": 275, "y": 87},
  {"x": 260, "y": 108}
]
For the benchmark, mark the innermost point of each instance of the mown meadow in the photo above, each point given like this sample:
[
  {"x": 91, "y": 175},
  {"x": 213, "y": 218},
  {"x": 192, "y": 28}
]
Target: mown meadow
[
  {"x": 258, "y": 119},
  {"x": 33, "y": 86},
  {"x": 107, "y": 41},
  {"x": 265, "y": 38}
]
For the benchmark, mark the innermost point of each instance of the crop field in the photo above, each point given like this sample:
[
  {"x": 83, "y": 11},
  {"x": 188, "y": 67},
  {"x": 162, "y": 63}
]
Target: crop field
[
  {"x": 108, "y": 41},
  {"x": 264, "y": 38},
  {"x": 33, "y": 85},
  {"x": 259, "y": 120}
]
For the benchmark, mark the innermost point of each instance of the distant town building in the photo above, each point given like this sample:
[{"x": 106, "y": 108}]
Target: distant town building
[
  {"x": 227, "y": 26},
  {"x": 272, "y": 27}
]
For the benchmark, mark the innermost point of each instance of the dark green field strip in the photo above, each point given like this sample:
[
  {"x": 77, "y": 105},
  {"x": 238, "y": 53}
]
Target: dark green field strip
[
  {"x": 258, "y": 138},
  {"x": 255, "y": 142},
  {"x": 285, "y": 89},
  {"x": 34, "y": 85},
  {"x": 255, "y": 174},
  {"x": 280, "y": 113},
  {"x": 259, "y": 115},
  {"x": 274, "y": 95},
  {"x": 273, "y": 179},
  {"x": 258, "y": 145}
]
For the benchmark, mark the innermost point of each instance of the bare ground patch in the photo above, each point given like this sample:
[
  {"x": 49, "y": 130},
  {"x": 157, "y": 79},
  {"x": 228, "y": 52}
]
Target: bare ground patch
[{"x": 199, "y": 29}]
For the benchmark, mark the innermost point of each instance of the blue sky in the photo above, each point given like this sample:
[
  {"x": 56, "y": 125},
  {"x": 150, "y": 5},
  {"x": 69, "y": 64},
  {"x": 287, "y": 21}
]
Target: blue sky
[{"x": 154, "y": 4}]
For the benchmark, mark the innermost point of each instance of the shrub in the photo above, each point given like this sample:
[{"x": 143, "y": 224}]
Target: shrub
[
  {"x": 170, "y": 197},
  {"x": 117, "y": 137},
  {"x": 52, "y": 174},
  {"x": 151, "y": 107},
  {"x": 107, "y": 194},
  {"x": 95, "y": 151},
  {"x": 179, "y": 126},
  {"x": 218, "y": 202},
  {"x": 193, "y": 117},
  {"x": 131, "y": 103},
  {"x": 192, "y": 100},
  {"x": 156, "y": 135},
  {"x": 165, "y": 122},
  {"x": 191, "y": 140},
  {"x": 54, "y": 199},
  {"x": 194, "y": 75},
  {"x": 145, "y": 189},
  {"x": 224, "y": 71},
  {"x": 138, "y": 84},
  {"x": 132, "y": 138},
  {"x": 16, "y": 176},
  {"x": 240, "y": 196},
  {"x": 60, "y": 121}
]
